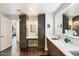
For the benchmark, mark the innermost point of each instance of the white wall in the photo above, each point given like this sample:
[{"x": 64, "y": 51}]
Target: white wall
[
  {"x": 49, "y": 20},
  {"x": 48, "y": 31}
]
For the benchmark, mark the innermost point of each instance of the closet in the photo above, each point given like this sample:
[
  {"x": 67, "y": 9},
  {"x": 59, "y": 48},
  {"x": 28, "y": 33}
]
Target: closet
[
  {"x": 23, "y": 41},
  {"x": 41, "y": 31}
]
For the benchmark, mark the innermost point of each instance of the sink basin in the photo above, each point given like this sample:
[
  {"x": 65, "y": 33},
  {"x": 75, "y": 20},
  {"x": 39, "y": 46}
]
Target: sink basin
[{"x": 75, "y": 53}]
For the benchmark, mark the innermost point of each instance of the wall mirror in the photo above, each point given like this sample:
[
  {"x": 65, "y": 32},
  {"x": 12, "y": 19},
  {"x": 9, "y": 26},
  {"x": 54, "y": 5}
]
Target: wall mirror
[
  {"x": 70, "y": 19},
  {"x": 33, "y": 28}
]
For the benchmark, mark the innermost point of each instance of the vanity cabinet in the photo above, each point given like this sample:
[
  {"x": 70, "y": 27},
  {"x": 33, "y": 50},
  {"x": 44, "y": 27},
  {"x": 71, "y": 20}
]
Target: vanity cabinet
[{"x": 53, "y": 50}]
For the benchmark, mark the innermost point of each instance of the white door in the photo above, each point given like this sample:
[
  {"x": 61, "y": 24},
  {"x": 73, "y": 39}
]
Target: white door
[{"x": 6, "y": 33}]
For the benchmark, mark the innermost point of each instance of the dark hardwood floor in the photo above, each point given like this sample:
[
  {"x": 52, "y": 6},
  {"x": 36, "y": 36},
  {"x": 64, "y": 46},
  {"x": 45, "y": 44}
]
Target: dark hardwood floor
[{"x": 15, "y": 51}]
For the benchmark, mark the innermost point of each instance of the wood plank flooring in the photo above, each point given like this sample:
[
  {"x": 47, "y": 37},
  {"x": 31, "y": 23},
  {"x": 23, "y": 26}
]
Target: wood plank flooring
[
  {"x": 31, "y": 51},
  {"x": 15, "y": 51}
]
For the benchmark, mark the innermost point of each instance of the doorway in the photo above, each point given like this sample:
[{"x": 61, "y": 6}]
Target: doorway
[
  {"x": 15, "y": 37},
  {"x": 13, "y": 49}
]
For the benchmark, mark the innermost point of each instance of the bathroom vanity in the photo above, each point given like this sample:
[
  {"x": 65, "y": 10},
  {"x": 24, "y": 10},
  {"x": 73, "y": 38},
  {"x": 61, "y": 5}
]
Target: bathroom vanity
[
  {"x": 53, "y": 50},
  {"x": 60, "y": 47}
]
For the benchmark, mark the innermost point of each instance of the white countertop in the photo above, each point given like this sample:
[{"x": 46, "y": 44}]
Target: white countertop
[{"x": 63, "y": 46}]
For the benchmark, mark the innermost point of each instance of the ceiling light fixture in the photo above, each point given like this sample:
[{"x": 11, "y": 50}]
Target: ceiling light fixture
[{"x": 30, "y": 8}]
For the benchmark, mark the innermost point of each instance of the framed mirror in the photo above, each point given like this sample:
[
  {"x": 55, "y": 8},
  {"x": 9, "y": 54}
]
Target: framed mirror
[{"x": 33, "y": 28}]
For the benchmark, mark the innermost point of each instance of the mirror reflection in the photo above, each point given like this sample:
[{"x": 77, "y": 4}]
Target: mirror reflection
[{"x": 70, "y": 20}]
